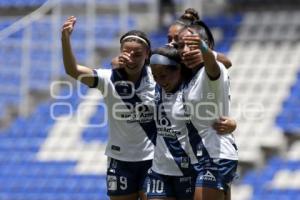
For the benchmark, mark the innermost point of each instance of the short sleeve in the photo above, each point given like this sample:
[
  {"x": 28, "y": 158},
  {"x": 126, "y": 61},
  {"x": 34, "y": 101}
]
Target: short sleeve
[
  {"x": 223, "y": 74},
  {"x": 102, "y": 78}
]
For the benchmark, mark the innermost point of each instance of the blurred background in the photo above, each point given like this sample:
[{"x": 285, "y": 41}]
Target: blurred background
[{"x": 53, "y": 130}]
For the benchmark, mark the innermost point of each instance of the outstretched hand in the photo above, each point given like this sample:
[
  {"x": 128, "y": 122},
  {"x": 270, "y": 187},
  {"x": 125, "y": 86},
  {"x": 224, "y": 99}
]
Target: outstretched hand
[
  {"x": 192, "y": 58},
  {"x": 68, "y": 26}
]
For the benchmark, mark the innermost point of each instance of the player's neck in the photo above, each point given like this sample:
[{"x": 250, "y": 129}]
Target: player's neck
[{"x": 133, "y": 77}]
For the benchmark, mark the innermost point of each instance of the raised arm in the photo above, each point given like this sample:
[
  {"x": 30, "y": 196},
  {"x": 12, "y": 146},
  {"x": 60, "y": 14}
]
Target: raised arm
[
  {"x": 78, "y": 72},
  {"x": 223, "y": 59},
  {"x": 194, "y": 41},
  {"x": 210, "y": 63},
  {"x": 194, "y": 57}
]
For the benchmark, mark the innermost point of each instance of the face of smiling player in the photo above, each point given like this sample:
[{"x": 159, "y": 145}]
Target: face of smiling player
[
  {"x": 136, "y": 54},
  {"x": 166, "y": 77}
]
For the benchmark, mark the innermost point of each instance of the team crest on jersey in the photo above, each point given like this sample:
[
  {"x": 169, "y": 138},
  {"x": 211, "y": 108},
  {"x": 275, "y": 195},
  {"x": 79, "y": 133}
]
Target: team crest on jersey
[{"x": 124, "y": 88}]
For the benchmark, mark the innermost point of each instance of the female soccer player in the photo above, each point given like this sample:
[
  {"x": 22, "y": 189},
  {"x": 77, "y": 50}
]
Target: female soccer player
[
  {"x": 172, "y": 174},
  {"x": 170, "y": 177},
  {"x": 224, "y": 124},
  {"x": 126, "y": 93},
  {"x": 208, "y": 98},
  {"x": 191, "y": 15}
]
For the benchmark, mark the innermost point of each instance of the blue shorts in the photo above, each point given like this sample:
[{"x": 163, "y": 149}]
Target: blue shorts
[
  {"x": 124, "y": 178},
  {"x": 217, "y": 174},
  {"x": 162, "y": 186}
]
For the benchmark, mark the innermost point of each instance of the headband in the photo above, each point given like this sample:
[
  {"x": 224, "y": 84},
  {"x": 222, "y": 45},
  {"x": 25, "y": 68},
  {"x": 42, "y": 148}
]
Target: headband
[
  {"x": 157, "y": 59},
  {"x": 136, "y": 37}
]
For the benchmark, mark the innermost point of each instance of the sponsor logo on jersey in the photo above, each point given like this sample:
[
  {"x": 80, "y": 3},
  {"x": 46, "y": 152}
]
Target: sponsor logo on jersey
[
  {"x": 115, "y": 148},
  {"x": 111, "y": 183},
  {"x": 165, "y": 129},
  {"x": 185, "y": 179},
  {"x": 184, "y": 162},
  {"x": 141, "y": 114},
  {"x": 208, "y": 177}
]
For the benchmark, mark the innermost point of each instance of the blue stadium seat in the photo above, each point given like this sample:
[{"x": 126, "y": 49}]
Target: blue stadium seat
[
  {"x": 21, "y": 3},
  {"x": 289, "y": 119},
  {"x": 106, "y": 63}
]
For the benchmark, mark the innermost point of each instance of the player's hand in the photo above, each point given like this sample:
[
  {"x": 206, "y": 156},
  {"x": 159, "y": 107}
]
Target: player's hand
[
  {"x": 193, "y": 41},
  {"x": 68, "y": 27},
  {"x": 192, "y": 58},
  {"x": 225, "y": 125},
  {"x": 125, "y": 59}
]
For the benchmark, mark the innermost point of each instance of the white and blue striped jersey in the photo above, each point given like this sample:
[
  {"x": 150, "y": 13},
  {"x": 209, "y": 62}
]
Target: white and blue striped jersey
[
  {"x": 206, "y": 101},
  {"x": 173, "y": 153},
  {"x": 130, "y": 114}
]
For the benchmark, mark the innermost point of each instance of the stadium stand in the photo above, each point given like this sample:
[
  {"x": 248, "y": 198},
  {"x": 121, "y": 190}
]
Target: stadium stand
[
  {"x": 288, "y": 119},
  {"x": 265, "y": 77},
  {"x": 50, "y": 155},
  {"x": 21, "y": 4},
  {"x": 265, "y": 48}
]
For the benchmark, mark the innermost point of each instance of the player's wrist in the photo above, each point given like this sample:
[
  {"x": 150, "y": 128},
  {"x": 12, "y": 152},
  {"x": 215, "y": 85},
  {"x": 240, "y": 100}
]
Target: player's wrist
[{"x": 203, "y": 46}]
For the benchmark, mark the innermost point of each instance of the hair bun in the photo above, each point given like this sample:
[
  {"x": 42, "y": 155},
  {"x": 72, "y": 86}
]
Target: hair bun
[{"x": 190, "y": 14}]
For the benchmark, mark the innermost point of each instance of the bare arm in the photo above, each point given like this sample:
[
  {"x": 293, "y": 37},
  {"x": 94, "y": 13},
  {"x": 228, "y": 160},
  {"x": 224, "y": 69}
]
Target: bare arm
[
  {"x": 223, "y": 59},
  {"x": 211, "y": 66},
  {"x": 78, "y": 72},
  {"x": 194, "y": 57}
]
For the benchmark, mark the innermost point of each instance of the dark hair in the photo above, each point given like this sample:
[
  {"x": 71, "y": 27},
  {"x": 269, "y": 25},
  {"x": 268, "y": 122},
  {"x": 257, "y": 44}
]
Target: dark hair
[
  {"x": 172, "y": 53},
  {"x": 190, "y": 14},
  {"x": 202, "y": 29},
  {"x": 138, "y": 33},
  {"x": 204, "y": 32},
  {"x": 187, "y": 18},
  {"x": 169, "y": 52}
]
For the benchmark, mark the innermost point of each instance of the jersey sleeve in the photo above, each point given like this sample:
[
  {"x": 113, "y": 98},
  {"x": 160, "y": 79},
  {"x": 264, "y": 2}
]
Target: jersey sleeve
[
  {"x": 102, "y": 78},
  {"x": 218, "y": 82},
  {"x": 220, "y": 89}
]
